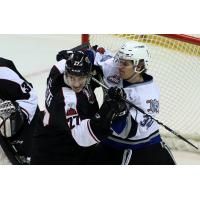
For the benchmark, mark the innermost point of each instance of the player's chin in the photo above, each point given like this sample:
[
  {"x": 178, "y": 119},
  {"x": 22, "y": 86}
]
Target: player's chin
[
  {"x": 122, "y": 75},
  {"x": 77, "y": 90}
]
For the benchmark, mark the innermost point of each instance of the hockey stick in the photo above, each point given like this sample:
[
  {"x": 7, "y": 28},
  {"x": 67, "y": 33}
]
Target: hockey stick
[
  {"x": 81, "y": 47},
  {"x": 9, "y": 151},
  {"x": 139, "y": 109}
]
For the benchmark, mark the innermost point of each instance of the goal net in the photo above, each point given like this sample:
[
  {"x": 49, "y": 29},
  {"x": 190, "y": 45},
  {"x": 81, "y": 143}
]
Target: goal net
[{"x": 175, "y": 65}]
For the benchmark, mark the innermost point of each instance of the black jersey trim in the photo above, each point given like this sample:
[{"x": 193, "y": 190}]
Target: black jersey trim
[{"x": 147, "y": 80}]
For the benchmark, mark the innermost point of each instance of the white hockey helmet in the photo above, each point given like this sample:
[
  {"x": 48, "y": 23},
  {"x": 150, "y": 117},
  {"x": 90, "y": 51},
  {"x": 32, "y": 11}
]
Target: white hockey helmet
[{"x": 135, "y": 52}]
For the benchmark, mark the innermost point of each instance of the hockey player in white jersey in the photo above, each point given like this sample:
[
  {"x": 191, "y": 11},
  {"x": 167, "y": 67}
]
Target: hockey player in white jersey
[
  {"x": 136, "y": 139},
  {"x": 18, "y": 113}
]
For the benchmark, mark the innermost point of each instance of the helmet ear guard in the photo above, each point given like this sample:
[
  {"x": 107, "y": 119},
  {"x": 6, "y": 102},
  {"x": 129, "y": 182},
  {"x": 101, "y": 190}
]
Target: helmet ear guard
[{"x": 140, "y": 65}]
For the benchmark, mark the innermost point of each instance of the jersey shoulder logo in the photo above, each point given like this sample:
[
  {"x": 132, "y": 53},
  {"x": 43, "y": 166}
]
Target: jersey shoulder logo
[
  {"x": 72, "y": 116},
  {"x": 114, "y": 79},
  {"x": 71, "y": 110},
  {"x": 154, "y": 105}
]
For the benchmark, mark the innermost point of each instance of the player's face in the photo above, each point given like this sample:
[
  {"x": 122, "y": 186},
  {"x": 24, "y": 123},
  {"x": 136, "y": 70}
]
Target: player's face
[
  {"x": 77, "y": 83},
  {"x": 125, "y": 68}
]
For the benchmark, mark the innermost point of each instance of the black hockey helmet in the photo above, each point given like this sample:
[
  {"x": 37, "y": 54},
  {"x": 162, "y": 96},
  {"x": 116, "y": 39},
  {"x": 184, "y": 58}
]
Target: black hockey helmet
[{"x": 78, "y": 64}]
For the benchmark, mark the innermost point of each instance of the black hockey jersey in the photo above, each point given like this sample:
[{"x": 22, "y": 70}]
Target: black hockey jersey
[
  {"x": 67, "y": 110},
  {"x": 64, "y": 135}
]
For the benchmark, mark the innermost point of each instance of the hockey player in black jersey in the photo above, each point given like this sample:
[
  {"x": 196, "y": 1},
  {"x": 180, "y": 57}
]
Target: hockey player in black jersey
[
  {"x": 18, "y": 113},
  {"x": 72, "y": 121}
]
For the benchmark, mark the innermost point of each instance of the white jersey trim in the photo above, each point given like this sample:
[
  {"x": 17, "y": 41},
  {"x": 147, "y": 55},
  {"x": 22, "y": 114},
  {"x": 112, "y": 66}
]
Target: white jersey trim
[{"x": 61, "y": 66}]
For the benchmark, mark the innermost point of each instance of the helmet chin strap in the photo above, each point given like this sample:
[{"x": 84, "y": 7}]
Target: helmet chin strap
[
  {"x": 135, "y": 74},
  {"x": 65, "y": 79}
]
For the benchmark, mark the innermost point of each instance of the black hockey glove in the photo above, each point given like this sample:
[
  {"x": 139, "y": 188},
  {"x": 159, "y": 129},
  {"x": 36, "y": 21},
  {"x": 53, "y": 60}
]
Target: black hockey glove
[
  {"x": 116, "y": 93},
  {"x": 101, "y": 122},
  {"x": 109, "y": 111},
  {"x": 94, "y": 47},
  {"x": 64, "y": 54}
]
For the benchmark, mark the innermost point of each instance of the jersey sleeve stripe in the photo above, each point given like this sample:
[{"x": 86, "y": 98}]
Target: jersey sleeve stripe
[
  {"x": 91, "y": 132},
  {"x": 25, "y": 112}
]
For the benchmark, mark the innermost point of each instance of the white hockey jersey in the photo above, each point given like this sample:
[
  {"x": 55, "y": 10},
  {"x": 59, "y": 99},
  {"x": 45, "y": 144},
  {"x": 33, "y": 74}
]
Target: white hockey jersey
[{"x": 144, "y": 95}]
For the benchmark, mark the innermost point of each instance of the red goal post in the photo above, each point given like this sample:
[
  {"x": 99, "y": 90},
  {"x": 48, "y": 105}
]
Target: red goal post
[
  {"x": 85, "y": 38},
  {"x": 175, "y": 64}
]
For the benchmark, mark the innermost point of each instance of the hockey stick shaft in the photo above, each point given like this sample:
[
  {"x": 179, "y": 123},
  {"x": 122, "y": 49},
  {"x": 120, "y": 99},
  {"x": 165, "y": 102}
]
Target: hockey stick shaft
[
  {"x": 81, "y": 47},
  {"x": 9, "y": 151},
  {"x": 142, "y": 111}
]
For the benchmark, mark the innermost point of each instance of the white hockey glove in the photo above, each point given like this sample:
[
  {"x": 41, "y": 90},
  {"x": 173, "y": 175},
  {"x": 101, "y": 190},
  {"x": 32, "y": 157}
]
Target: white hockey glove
[
  {"x": 11, "y": 118},
  {"x": 6, "y": 109}
]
